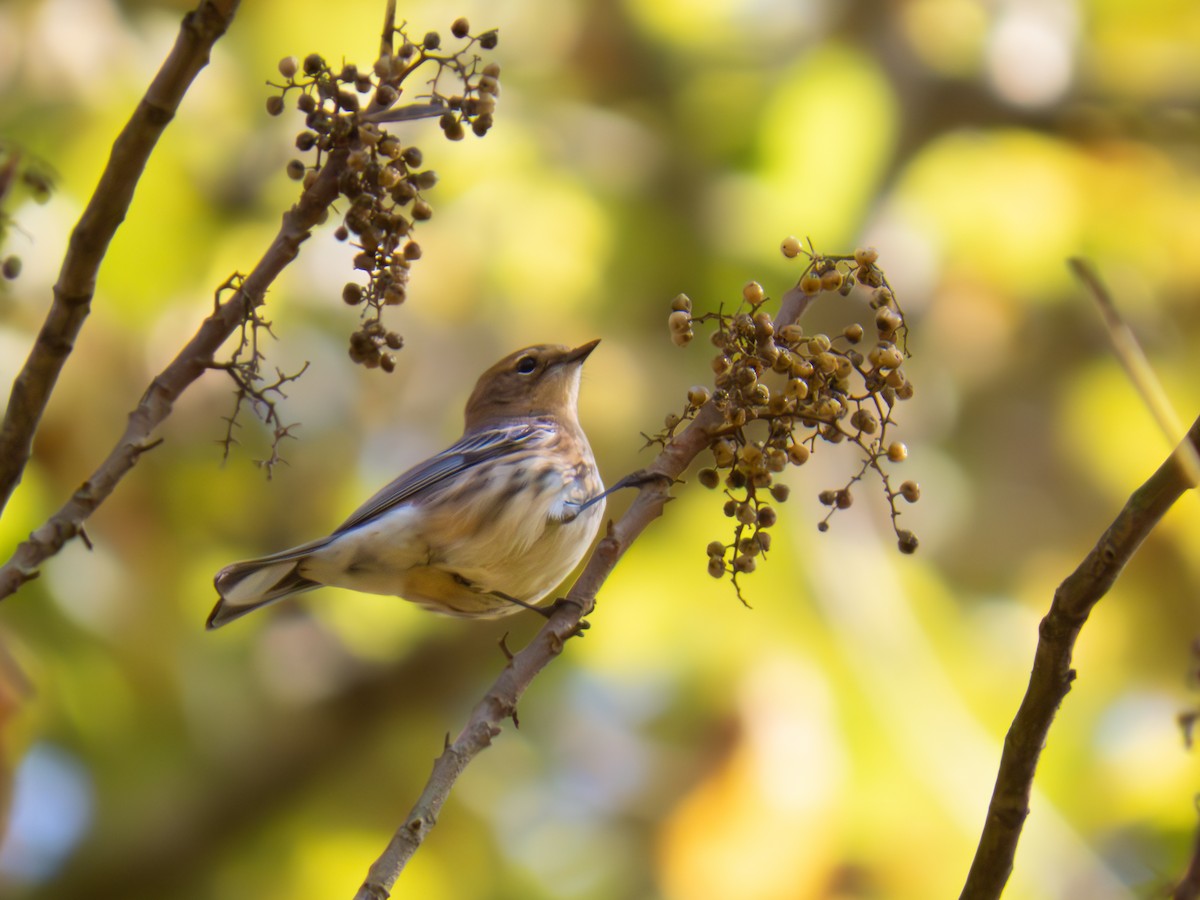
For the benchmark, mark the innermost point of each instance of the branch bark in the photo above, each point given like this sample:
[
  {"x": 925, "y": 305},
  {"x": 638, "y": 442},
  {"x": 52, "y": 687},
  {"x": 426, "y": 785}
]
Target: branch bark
[
  {"x": 1052, "y": 675},
  {"x": 188, "y": 365},
  {"x": 500, "y": 701},
  {"x": 76, "y": 285},
  {"x": 1189, "y": 887}
]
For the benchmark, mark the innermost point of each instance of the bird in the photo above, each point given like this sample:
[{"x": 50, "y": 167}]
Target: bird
[{"x": 489, "y": 526}]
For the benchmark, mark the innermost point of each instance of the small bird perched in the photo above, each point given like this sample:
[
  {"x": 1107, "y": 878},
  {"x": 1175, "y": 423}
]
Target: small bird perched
[{"x": 490, "y": 525}]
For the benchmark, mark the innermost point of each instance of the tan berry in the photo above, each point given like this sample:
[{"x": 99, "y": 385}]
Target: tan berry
[
  {"x": 791, "y": 334},
  {"x": 866, "y": 256},
  {"x": 831, "y": 280},
  {"x": 897, "y": 452},
  {"x": 679, "y": 321},
  {"x": 790, "y": 246},
  {"x": 723, "y": 453}
]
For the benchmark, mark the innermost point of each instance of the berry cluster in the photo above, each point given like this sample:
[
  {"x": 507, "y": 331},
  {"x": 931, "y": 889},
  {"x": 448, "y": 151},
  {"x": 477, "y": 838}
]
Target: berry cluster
[
  {"x": 781, "y": 391},
  {"x": 383, "y": 181},
  {"x": 20, "y": 174}
]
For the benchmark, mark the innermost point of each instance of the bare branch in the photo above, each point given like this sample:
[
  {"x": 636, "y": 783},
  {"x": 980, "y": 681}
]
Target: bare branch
[
  {"x": 192, "y": 361},
  {"x": 89, "y": 242},
  {"x": 1052, "y": 674},
  {"x": 1189, "y": 887}
]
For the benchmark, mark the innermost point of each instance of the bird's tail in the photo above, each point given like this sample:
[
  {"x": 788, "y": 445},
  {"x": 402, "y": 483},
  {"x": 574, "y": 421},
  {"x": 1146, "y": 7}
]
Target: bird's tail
[{"x": 247, "y": 586}]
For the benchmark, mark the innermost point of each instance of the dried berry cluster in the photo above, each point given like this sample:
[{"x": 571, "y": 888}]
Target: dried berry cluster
[
  {"x": 780, "y": 391},
  {"x": 19, "y": 174},
  {"x": 383, "y": 181}
]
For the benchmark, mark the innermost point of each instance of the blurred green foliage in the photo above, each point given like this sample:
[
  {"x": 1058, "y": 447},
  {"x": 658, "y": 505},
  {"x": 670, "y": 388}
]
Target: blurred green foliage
[{"x": 837, "y": 741}]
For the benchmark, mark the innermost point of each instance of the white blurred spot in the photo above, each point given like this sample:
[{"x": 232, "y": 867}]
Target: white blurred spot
[
  {"x": 1030, "y": 52},
  {"x": 51, "y": 810}
]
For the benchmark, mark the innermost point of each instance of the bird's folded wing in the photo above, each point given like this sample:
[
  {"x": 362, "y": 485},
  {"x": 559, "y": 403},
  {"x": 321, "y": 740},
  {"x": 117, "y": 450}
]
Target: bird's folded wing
[{"x": 471, "y": 450}]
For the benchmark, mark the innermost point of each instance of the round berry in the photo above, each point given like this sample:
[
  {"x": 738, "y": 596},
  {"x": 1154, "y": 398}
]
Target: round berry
[{"x": 866, "y": 256}]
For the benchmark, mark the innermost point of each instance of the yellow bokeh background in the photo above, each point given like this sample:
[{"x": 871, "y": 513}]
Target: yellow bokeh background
[{"x": 837, "y": 739}]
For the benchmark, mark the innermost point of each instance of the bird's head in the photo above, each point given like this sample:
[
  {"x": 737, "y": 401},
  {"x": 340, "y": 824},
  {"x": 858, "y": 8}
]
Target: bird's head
[{"x": 539, "y": 381}]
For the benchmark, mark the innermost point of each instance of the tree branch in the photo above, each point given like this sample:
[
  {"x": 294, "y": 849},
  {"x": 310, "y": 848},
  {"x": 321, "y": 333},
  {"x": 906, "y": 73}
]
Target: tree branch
[
  {"x": 500, "y": 701},
  {"x": 89, "y": 241},
  {"x": 1189, "y": 887},
  {"x": 1052, "y": 675},
  {"x": 191, "y": 362}
]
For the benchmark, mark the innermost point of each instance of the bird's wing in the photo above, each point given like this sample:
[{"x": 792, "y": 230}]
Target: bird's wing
[{"x": 471, "y": 450}]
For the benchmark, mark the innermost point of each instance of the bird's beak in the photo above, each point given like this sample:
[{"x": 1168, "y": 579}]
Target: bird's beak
[{"x": 579, "y": 354}]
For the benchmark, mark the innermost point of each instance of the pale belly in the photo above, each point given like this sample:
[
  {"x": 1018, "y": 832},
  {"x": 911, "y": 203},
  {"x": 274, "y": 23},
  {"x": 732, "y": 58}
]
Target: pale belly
[{"x": 435, "y": 561}]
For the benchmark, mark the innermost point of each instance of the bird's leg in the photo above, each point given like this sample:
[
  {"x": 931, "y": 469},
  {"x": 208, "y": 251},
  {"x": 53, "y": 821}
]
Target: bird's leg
[
  {"x": 637, "y": 479},
  {"x": 545, "y": 612},
  {"x": 583, "y": 624}
]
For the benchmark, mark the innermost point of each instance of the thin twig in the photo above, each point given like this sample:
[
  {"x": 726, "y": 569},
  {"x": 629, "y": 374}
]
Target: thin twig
[
  {"x": 1140, "y": 372},
  {"x": 89, "y": 241},
  {"x": 1052, "y": 674},
  {"x": 196, "y": 357}
]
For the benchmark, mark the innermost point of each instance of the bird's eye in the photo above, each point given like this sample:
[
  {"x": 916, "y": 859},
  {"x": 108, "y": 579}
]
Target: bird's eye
[{"x": 526, "y": 364}]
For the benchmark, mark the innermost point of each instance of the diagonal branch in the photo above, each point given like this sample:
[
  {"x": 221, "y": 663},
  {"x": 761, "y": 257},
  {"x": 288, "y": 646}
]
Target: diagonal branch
[
  {"x": 500, "y": 701},
  {"x": 1052, "y": 674},
  {"x": 190, "y": 363},
  {"x": 89, "y": 241}
]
